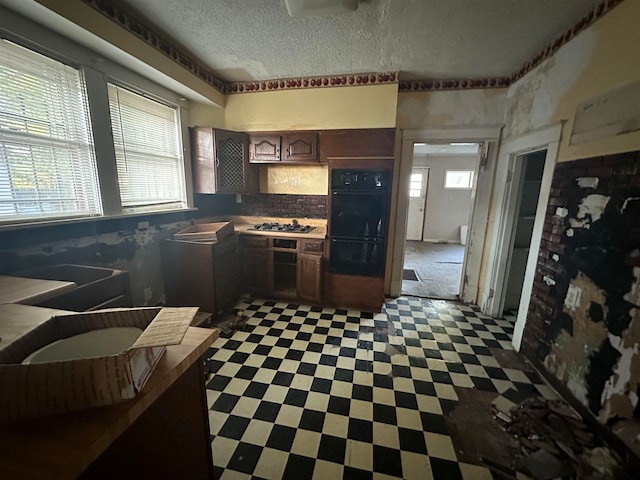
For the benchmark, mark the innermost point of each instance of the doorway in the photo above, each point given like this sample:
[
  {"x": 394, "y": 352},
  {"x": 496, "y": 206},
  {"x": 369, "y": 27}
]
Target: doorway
[
  {"x": 527, "y": 194},
  {"x": 440, "y": 201}
]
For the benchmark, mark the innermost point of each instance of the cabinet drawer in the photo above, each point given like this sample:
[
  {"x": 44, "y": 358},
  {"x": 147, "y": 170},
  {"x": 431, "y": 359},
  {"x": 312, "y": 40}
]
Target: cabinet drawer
[
  {"x": 312, "y": 246},
  {"x": 251, "y": 241}
]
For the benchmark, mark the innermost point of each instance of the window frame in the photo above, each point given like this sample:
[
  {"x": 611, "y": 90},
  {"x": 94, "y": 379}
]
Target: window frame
[
  {"x": 456, "y": 170},
  {"x": 97, "y": 73}
]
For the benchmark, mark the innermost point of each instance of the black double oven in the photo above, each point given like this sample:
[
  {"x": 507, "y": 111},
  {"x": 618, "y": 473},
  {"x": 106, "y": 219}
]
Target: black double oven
[{"x": 358, "y": 221}]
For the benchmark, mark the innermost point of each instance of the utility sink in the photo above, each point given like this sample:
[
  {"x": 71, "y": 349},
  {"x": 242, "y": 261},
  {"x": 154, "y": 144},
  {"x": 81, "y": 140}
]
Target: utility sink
[{"x": 97, "y": 287}]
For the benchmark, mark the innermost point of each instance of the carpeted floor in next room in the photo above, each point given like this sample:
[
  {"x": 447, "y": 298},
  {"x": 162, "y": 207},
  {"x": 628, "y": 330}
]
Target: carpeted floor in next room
[
  {"x": 307, "y": 392},
  {"x": 437, "y": 269}
]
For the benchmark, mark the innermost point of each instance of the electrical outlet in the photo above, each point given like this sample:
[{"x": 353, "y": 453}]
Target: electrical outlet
[
  {"x": 143, "y": 225},
  {"x": 238, "y": 198}
]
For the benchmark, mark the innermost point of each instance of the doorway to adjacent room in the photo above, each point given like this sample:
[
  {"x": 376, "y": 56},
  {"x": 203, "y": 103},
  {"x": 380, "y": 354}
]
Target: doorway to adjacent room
[{"x": 440, "y": 201}]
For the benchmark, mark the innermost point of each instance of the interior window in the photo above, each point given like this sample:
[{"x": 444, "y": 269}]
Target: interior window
[
  {"x": 458, "y": 179},
  {"x": 47, "y": 160}
]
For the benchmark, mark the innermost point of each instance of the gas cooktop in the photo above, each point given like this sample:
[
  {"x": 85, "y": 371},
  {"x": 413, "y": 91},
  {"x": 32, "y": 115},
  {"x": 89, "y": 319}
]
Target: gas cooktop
[{"x": 293, "y": 227}]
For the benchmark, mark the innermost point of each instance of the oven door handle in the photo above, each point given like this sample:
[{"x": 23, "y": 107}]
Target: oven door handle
[
  {"x": 359, "y": 193},
  {"x": 356, "y": 240}
]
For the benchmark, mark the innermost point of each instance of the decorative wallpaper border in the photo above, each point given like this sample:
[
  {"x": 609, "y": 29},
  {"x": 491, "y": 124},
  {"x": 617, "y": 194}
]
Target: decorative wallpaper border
[
  {"x": 452, "y": 84},
  {"x": 134, "y": 26},
  {"x": 126, "y": 20},
  {"x": 313, "y": 82}
]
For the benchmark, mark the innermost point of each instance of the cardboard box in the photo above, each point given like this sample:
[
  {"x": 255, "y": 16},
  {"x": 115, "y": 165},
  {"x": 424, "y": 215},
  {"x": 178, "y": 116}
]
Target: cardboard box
[
  {"x": 39, "y": 389},
  {"x": 206, "y": 231}
]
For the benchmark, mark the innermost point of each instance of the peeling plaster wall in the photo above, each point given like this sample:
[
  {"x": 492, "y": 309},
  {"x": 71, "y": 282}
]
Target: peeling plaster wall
[
  {"x": 600, "y": 59},
  {"x": 583, "y": 322},
  {"x": 455, "y": 108},
  {"x": 117, "y": 243}
]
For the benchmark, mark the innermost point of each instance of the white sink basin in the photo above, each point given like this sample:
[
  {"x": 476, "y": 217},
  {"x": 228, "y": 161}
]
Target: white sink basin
[{"x": 96, "y": 343}]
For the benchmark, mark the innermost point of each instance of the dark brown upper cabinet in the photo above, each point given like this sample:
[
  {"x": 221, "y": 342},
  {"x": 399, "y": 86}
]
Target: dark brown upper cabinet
[
  {"x": 284, "y": 147},
  {"x": 221, "y": 161},
  {"x": 300, "y": 147},
  {"x": 357, "y": 143},
  {"x": 264, "y": 148}
]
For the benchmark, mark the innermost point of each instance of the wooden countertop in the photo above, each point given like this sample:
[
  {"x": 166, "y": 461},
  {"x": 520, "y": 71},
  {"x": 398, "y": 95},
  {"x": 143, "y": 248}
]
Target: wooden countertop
[
  {"x": 16, "y": 320},
  {"x": 31, "y": 290},
  {"x": 63, "y": 446}
]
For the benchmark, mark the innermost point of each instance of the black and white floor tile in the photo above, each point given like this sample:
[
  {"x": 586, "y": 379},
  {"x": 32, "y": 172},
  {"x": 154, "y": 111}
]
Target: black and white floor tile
[{"x": 321, "y": 393}]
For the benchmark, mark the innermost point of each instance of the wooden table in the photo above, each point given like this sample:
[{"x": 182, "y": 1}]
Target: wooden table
[
  {"x": 30, "y": 291},
  {"x": 162, "y": 434}
]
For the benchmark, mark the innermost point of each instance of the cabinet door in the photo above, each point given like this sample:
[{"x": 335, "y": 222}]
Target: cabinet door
[
  {"x": 357, "y": 143},
  {"x": 264, "y": 148},
  {"x": 226, "y": 275},
  {"x": 310, "y": 277},
  {"x": 203, "y": 162},
  {"x": 300, "y": 147},
  {"x": 187, "y": 268},
  {"x": 258, "y": 271},
  {"x": 231, "y": 162}
]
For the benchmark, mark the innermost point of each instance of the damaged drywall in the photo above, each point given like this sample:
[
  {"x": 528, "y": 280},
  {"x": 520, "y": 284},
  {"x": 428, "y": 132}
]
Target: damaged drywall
[
  {"x": 131, "y": 245},
  {"x": 571, "y": 351},
  {"x": 584, "y": 321},
  {"x": 620, "y": 393}
]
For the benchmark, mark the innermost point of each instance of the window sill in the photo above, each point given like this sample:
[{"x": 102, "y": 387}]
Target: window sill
[{"x": 71, "y": 221}]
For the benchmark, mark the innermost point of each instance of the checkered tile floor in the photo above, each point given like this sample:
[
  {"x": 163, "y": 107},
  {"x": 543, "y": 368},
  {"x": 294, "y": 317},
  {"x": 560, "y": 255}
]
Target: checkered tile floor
[{"x": 309, "y": 392}]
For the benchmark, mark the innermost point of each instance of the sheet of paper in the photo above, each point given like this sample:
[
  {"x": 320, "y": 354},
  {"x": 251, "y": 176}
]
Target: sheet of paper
[{"x": 168, "y": 328}]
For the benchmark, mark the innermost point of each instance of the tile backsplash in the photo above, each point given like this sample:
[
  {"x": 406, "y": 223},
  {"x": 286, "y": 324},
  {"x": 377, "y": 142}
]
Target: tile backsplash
[{"x": 281, "y": 205}]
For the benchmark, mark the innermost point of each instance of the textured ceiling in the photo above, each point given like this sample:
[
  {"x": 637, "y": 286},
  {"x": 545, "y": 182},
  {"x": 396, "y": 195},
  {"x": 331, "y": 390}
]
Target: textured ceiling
[{"x": 243, "y": 40}]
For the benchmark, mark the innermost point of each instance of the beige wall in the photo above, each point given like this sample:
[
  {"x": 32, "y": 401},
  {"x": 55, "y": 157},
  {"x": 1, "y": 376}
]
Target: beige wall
[
  {"x": 372, "y": 106},
  {"x": 201, "y": 115},
  {"x": 454, "y": 108},
  {"x": 598, "y": 60},
  {"x": 294, "y": 179}
]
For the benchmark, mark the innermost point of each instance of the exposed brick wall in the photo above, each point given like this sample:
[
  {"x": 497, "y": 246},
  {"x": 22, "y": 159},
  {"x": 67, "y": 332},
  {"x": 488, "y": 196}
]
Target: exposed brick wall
[
  {"x": 586, "y": 294},
  {"x": 616, "y": 173},
  {"x": 279, "y": 205}
]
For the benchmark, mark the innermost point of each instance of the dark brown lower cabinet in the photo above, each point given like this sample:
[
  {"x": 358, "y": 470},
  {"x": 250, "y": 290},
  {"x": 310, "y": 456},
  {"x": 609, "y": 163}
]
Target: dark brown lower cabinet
[
  {"x": 309, "y": 277},
  {"x": 202, "y": 274},
  {"x": 258, "y": 271},
  {"x": 280, "y": 267}
]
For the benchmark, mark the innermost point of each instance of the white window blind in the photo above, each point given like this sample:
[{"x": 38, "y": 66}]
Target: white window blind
[
  {"x": 47, "y": 161},
  {"x": 148, "y": 151}
]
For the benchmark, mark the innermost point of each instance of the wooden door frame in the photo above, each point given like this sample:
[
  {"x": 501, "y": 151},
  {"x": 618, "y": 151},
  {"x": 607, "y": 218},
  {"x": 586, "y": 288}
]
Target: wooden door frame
[
  {"x": 505, "y": 198},
  {"x": 489, "y": 135}
]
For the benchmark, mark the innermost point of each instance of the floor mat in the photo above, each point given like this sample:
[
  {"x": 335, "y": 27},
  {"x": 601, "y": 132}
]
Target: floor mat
[{"x": 408, "y": 274}]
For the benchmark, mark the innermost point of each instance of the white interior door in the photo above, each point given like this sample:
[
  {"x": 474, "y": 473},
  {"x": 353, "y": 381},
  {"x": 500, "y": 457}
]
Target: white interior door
[{"x": 417, "y": 201}]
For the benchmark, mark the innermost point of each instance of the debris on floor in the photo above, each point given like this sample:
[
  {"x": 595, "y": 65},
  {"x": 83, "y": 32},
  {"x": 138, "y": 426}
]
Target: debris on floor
[
  {"x": 477, "y": 437},
  {"x": 556, "y": 443},
  {"x": 518, "y": 434},
  {"x": 230, "y": 322}
]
